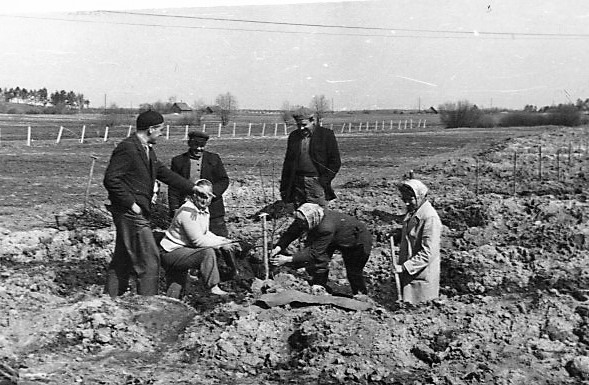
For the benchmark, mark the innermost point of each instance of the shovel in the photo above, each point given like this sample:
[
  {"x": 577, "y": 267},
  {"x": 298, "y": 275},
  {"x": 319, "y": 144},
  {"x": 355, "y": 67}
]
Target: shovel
[{"x": 395, "y": 262}]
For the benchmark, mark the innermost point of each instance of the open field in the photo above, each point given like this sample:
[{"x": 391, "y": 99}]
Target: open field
[
  {"x": 93, "y": 126},
  {"x": 515, "y": 269}
]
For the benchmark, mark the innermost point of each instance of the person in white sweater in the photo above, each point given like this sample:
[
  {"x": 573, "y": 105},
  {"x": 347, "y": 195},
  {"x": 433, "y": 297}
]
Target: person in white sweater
[{"x": 188, "y": 244}]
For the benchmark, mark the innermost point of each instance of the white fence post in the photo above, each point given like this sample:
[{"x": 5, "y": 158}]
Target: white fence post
[
  {"x": 29, "y": 136},
  {"x": 423, "y": 123},
  {"x": 263, "y": 128},
  {"x": 249, "y": 130},
  {"x": 398, "y": 128},
  {"x": 419, "y": 123},
  {"x": 350, "y": 127},
  {"x": 219, "y": 132},
  {"x": 391, "y": 124},
  {"x": 411, "y": 123},
  {"x": 360, "y": 127},
  {"x": 343, "y": 127},
  {"x": 59, "y": 135},
  {"x": 186, "y": 132},
  {"x": 234, "y": 129},
  {"x": 83, "y": 133},
  {"x": 129, "y": 131},
  {"x": 105, "y": 134},
  {"x": 167, "y": 132},
  {"x": 285, "y": 130},
  {"x": 204, "y": 127},
  {"x": 376, "y": 125},
  {"x": 405, "y": 124}
]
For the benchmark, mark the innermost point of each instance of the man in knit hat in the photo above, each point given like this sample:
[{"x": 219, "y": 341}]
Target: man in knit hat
[
  {"x": 419, "y": 251},
  {"x": 327, "y": 231},
  {"x": 130, "y": 180}
]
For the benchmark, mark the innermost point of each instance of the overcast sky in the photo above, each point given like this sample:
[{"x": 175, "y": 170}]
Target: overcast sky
[{"x": 359, "y": 54}]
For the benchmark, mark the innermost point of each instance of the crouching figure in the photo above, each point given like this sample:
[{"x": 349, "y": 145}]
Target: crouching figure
[
  {"x": 327, "y": 231},
  {"x": 188, "y": 244}
]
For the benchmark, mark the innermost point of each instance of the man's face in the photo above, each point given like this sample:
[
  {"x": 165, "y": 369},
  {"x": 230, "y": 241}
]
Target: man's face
[
  {"x": 306, "y": 123},
  {"x": 153, "y": 132},
  {"x": 196, "y": 145}
]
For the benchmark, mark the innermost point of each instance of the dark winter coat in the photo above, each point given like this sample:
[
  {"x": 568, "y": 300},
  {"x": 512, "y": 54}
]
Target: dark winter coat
[
  {"x": 212, "y": 169},
  {"x": 324, "y": 153},
  {"x": 130, "y": 176}
]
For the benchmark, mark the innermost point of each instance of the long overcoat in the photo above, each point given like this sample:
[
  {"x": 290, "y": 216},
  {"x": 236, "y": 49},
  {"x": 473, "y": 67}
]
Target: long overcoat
[
  {"x": 419, "y": 253},
  {"x": 324, "y": 153}
]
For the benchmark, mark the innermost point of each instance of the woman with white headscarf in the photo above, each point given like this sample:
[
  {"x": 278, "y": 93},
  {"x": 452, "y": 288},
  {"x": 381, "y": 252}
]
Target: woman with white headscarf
[
  {"x": 327, "y": 231},
  {"x": 419, "y": 252}
]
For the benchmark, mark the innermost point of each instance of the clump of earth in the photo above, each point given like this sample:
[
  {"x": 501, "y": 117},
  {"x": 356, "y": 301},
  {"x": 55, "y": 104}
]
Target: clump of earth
[{"x": 513, "y": 309}]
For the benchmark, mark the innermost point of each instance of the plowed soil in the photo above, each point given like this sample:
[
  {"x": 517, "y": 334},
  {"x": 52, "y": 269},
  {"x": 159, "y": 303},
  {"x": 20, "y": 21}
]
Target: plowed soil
[{"x": 513, "y": 309}]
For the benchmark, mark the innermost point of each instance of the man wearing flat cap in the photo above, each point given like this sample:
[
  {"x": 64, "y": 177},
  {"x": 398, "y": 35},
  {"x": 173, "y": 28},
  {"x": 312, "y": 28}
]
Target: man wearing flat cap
[
  {"x": 198, "y": 163},
  {"x": 130, "y": 180},
  {"x": 311, "y": 162}
]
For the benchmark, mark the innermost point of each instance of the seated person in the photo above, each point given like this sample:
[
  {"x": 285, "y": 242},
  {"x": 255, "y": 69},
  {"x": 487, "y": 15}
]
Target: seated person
[
  {"x": 188, "y": 244},
  {"x": 328, "y": 230}
]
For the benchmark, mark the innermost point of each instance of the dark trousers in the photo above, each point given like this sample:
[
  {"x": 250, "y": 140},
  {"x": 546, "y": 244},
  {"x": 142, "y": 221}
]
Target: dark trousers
[
  {"x": 218, "y": 226},
  {"x": 136, "y": 252},
  {"x": 307, "y": 189},
  {"x": 178, "y": 262},
  {"x": 355, "y": 259}
]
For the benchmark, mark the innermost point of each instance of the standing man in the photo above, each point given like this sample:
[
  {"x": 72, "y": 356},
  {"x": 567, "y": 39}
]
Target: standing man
[
  {"x": 311, "y": 162},
  {"x": 130, "y": 180},
  {"x": 197, "y": 163}
]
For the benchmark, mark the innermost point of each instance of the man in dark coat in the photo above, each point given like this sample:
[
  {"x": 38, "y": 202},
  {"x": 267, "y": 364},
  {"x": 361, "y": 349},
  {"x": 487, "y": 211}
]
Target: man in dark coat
[
  {"x": 130, "y": 180},
  {"x": 327, "y": 231},
  {"x": 311, "y": 162},
  {"x": 197, "y": 163}
]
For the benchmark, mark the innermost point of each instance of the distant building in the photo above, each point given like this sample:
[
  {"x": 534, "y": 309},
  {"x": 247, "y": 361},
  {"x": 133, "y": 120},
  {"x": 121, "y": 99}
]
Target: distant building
[{"x": 181, "y": 108}]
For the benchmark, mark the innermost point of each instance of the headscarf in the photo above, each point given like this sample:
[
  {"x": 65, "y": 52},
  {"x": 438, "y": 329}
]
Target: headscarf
[
  {"x": 418, "y": 189},
  {"x": 312, "y": 213}
]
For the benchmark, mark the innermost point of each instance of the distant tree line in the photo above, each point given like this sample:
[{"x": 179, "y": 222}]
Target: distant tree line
[
  {"x": 465, "y": 114},
  {"x": 41, "y": 97}
]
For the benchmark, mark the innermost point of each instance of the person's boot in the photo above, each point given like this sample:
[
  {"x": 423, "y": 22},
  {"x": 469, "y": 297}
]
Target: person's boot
[{"x": 321, "y": 280}]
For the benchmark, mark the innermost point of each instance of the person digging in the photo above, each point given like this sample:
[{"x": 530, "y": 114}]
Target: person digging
[{"x": 327, "y": 231}]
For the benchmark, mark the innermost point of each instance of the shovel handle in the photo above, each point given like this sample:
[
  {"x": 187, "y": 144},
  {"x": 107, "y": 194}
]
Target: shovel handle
[{"x": 395, "y": 262}]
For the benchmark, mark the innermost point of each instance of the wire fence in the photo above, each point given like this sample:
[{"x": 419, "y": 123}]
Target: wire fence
[{"x": 97, "y": 132}]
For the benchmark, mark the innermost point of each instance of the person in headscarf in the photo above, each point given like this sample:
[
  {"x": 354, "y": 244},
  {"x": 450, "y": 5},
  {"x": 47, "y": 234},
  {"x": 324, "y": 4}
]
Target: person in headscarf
[
  {"x": 327, "y": 231},
  {"x": 419, "y": 251},
  {"x": 189, "y": 244}
]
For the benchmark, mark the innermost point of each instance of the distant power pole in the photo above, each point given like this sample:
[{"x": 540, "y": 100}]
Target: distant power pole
[
  {"x": 332, "y": 105},
  {"x": 419, "y": 104}
]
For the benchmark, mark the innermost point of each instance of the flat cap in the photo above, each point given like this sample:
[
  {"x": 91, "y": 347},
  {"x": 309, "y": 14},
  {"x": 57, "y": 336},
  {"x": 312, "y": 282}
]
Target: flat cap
[{"x": 198, "y": 135}]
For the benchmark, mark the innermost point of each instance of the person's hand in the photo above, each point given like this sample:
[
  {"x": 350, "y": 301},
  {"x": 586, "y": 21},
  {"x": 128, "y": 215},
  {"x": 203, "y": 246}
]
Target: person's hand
[
  {"x": 231, "y": 247},
  {"x": 275, "y": 251},
  {"x": 135, "y": 208},
  {"x": 280, "y": 260}
]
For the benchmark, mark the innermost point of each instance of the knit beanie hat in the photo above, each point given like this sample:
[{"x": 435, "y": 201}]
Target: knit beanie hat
[{"x": 149, "y": 118}]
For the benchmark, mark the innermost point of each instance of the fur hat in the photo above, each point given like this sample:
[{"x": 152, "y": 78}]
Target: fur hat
[{"x": 149, "y": 118}]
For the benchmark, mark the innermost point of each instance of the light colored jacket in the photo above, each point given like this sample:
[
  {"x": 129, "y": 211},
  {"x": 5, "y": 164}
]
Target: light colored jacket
[
  {"x": 419, "y": 253},
  {"x": 190, "y": 228}
]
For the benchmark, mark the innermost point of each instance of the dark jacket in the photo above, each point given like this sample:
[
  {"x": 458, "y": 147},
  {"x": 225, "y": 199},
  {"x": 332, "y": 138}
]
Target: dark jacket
[
  {"x": 130, "y": 176},
  {"x": 324, "y": 153},
  {"x": 337, "y": 231},
  {"x": 212, "y": 169}
]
